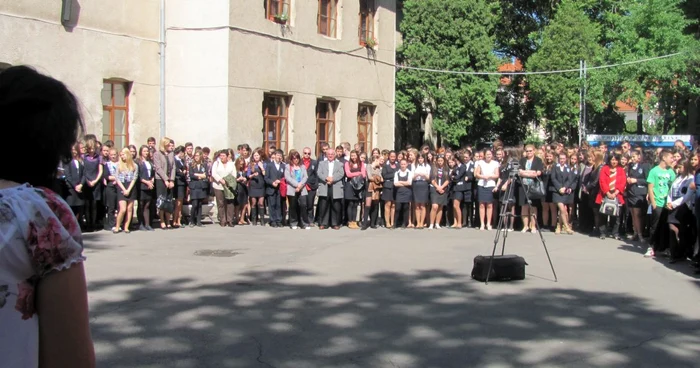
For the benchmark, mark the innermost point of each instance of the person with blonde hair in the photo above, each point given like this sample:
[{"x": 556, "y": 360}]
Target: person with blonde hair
[{"x": 127, "y": 175}]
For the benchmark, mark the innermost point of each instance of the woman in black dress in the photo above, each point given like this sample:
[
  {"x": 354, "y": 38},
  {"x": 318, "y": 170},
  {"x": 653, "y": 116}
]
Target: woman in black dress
[
  {"x": 92, "y": 190},
  {"x": 549, "y": 208},
  {"x": 530, "y": 172},
  {"x": 127, "y": 176},
  {"x": 74, "y": 172},
  {"x": 241, "y": 202},
  {"x": 256, "y": 187},
  {"x": 388, "y": 192},
  {"x": 199, "y": 188},
  {"x": 147, "y": 193},
  {"x": 180, "y": 185}
]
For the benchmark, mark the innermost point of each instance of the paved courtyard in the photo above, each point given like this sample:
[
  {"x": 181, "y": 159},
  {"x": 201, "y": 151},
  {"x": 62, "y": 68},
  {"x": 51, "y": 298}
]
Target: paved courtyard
[{"x": 261, "y": 297}]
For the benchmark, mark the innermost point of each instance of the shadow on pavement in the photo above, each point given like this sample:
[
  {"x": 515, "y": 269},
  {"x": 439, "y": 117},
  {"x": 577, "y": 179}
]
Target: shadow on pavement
[{"x": 429, "y": 318}]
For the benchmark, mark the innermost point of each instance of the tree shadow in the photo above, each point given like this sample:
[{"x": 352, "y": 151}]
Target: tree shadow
[{"x": 428, "y": 318}]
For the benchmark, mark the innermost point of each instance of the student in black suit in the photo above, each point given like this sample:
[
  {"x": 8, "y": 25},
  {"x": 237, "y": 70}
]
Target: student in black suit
[
  {"x": 562, "y": 181},
  {"x": 637, "y": 187},
  {"x": 74, "y": 172},
  {"x": 199, "y": 188},
  {"x": 311, "y": 167},
  {"x": 273, "y": 176},
  {"x": 180, "y": 185},
  {"x": 468, "y": 194},
  {"x": 147, "y": 174}
]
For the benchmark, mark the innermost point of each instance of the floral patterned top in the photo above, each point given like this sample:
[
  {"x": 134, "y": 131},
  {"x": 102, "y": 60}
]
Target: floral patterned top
[{"x": 39, "y": 235}]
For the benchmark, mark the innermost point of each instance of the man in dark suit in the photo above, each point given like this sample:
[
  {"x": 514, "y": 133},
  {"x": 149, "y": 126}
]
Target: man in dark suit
[{"x": 274, "y": 173}]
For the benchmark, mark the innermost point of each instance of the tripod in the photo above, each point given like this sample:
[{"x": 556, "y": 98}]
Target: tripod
[{"x": 503, "y": 220}]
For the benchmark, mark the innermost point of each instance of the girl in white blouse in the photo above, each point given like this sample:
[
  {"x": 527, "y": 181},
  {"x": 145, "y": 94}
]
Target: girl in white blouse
[{"x": 487, "y": 173}]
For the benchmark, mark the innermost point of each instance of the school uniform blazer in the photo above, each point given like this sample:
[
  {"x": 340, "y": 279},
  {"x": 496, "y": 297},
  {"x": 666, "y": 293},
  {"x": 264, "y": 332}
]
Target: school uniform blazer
[
  {"x": 561, "y": 177},
  {"x": 292, "y": 183},
  {"x": 620, "y": 184},
  {"x": 180, "y": 173},
  {"x": 458, "y": 179},
  {"x": 74, "y": 176},
  {"x": 144, "y": 174},
  {"x": 161, "y": 161},
  {"x": 338, "y": 175},
  {"x": 312, "y": 181},
  {"x": 639, "y": 172},
  {"x": 272, "y": 174},
  {"x": 195, "y": 182}
]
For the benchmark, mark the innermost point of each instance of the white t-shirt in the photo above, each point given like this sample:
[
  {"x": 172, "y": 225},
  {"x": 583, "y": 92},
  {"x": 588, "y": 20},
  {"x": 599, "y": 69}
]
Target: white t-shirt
[{"x": 490, "y": 168}]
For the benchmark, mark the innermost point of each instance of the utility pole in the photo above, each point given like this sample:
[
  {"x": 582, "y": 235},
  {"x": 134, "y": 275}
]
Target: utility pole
[{"x": 580, "y": 102}]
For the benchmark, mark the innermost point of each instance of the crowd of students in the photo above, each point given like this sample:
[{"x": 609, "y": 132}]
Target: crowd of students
[{"x": 645, "y": 195}]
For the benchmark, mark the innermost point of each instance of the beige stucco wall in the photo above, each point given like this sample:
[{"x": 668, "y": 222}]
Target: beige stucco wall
[
  {"x": 197, "y": 93},
  {"x": 221, "y": 57},
  {"x": 113, "y": 39},
  {"x": 216, "y": 100},
  {"x": 295, "y": 59}
]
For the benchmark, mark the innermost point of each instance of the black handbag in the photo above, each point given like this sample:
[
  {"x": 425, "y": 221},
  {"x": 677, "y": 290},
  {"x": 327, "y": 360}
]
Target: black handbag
[
  {"x": 165, "y": 203},
  {"x": 536, "y": 190},
  {"x": 357, "y": 183}
]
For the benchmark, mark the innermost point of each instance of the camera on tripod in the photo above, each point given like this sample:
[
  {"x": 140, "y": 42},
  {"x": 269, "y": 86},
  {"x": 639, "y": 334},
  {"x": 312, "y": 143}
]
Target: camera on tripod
[{"x": 514, "y": 167}]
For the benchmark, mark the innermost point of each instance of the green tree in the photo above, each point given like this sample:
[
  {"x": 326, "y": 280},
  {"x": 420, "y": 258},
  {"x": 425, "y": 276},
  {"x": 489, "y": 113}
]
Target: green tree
[
  {"x": 654, "y": 28},
  {"x": 570, "y": 37},
  {"x": 449, "y": 35}
]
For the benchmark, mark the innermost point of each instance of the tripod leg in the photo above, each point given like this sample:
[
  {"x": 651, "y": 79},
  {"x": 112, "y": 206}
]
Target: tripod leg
[{"x": 537, "y": 227}]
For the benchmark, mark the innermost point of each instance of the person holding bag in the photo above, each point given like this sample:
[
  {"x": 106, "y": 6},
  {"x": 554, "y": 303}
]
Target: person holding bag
[
  {"x": 530, "y": 174},
  {"x": 613, "y": 182}
]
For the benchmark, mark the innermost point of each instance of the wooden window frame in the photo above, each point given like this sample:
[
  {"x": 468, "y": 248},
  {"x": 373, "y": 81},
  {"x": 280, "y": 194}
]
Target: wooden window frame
[
  {"x": 281, "y": 4},
  {"x": 279, "y": 121},
  {"x": 329, "y": 123},
  {"x": 366, "y": 126},
  {"x": 367, "y": 13},
  {"x": 331, "y": 29},
  {"x": 111, "y": 108}
]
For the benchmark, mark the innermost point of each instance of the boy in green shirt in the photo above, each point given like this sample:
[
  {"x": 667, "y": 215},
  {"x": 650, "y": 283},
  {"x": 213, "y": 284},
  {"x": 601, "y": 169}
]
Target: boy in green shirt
[{"x": 659, "y": 181}]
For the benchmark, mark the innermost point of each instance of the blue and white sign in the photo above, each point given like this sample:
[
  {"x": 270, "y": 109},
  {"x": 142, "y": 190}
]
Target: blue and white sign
[{"x": 638, "y": 140}]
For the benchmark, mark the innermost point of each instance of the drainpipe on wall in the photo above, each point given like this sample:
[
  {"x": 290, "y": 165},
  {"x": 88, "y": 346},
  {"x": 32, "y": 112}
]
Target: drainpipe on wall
[{"x": 162, "y": 68}]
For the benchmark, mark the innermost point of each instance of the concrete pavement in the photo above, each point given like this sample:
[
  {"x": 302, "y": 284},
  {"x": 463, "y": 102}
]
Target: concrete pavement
[{"x": 262, "y": 297}]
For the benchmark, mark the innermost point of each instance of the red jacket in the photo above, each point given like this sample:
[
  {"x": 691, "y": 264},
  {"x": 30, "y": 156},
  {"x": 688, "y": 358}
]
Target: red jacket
[{"x": 620, "y": 184}]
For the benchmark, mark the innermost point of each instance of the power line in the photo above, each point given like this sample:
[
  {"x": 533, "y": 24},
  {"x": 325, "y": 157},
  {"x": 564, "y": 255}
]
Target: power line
[{"x": 541, "y": 72}]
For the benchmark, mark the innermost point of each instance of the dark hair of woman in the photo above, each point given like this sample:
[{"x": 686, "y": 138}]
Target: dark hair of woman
[
  {"x": 37, "y": 106},
  {"x": 615, "y": 156},
  {"x": 179, "y": 149}
]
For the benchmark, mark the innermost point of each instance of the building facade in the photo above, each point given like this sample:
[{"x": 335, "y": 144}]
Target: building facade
[{"x": 288, "y": 73}]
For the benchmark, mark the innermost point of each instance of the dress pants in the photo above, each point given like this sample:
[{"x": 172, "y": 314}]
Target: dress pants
[
  {"x": 310, "y": 205},
  {"x": 297, "y": 210},
  {"x": 224, "y": 208},
  {"x": 329, "y": 211},
  {"x": 274, "y": 207},
  {"x": 658, "y": 229}
]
